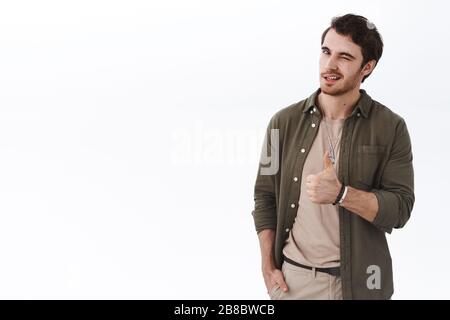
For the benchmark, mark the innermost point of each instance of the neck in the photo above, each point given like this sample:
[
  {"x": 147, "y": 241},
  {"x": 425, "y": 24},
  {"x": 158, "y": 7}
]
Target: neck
[{"x": 338, "y": 107}]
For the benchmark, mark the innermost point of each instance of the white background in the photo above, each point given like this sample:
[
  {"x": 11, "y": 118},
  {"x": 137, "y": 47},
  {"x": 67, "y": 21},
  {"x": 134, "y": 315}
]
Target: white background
[{"x": 130, "y": 133}]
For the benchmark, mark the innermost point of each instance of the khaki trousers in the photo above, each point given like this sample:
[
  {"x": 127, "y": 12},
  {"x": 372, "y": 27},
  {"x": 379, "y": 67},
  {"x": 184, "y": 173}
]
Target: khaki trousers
[{"x": 307, "y": 284}]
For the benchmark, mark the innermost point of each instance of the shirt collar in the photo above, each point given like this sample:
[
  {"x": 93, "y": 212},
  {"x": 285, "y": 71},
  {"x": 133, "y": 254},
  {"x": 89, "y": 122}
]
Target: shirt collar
[{"x": 363, "y": 105}]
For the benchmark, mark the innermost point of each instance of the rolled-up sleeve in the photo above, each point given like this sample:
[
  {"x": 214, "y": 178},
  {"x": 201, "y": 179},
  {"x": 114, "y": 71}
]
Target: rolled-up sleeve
[
  {"x": 265, "y": 209},
  {"x": 396, "y": 193}
]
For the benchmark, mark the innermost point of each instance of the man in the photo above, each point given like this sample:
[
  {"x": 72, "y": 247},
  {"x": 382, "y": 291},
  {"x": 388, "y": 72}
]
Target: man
[{"x": 340, "y": 177}]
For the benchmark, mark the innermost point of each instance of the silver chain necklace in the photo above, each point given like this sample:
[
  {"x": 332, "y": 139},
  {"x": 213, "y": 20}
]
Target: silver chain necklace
[{"x": 331, "y": 147}]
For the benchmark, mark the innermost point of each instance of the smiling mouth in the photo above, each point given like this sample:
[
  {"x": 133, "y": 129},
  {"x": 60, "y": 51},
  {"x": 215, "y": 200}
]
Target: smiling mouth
[{"x": 331, "y": 78}]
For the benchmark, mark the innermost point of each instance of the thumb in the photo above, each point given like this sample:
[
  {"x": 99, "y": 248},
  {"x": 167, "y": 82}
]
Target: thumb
[
  {"x": 281, "y": 282},
  {"x": 327, "y": 161}
]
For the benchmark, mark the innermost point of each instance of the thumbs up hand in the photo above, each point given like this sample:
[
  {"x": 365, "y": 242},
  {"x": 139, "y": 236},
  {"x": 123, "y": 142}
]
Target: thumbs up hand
[{"x": 324, "y": 187}]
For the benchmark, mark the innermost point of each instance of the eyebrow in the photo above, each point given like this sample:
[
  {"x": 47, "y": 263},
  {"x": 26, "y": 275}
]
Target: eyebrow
[{"x": 346, "y": 54}]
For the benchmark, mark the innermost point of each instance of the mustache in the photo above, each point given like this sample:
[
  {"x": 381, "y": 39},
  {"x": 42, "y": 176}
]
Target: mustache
[{"x": 331, "y": 73}]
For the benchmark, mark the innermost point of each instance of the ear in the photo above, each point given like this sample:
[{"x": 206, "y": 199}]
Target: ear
[{"x": 368, "y": 68}]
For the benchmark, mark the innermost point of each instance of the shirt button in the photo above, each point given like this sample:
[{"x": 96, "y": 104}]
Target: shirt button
[
  {"x": 358, "y": 114},
  {"x": 314, "y": 109},
  {"x": 287, "y": 229},
  {"x": 313, "y": 125},
  {"x": 302, "y": 150},
  {"x": 311, "y": 111},
  {"x": 295, "y": 179},
  {"x": 292, "y": 205}
]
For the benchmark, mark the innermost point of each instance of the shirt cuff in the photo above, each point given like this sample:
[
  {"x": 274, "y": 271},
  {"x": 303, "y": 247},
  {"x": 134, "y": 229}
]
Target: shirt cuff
[{"x": 387, "y": 205}]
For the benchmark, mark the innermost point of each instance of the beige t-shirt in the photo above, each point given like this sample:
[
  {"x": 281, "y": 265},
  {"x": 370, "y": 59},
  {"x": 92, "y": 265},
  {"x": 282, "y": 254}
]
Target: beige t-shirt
[{"x": 314, "y": 237}]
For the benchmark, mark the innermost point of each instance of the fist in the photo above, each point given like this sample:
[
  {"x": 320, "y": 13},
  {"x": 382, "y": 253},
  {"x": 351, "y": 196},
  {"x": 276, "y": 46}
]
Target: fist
[{"x": 323, "y": 187}]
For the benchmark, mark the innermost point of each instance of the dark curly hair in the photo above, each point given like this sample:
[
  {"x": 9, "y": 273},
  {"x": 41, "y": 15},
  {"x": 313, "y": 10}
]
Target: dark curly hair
[{"x": 362, "y": 32}]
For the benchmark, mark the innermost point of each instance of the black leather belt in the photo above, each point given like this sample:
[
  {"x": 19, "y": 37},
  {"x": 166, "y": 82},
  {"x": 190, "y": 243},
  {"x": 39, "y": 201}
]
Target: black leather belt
[{"x": 336, "y": 271}]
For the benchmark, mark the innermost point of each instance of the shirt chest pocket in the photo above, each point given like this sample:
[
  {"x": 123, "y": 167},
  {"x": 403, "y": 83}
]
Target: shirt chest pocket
[{"x": 368, "y": 163}]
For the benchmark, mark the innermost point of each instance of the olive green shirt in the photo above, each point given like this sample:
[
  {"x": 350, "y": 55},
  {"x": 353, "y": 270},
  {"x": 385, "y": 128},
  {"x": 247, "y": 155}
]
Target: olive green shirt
[{"x": 375, "y": 156}]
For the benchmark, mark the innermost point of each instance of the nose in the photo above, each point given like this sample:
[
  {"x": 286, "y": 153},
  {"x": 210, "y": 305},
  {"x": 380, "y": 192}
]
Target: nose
[{"x": 331, "y": 63}]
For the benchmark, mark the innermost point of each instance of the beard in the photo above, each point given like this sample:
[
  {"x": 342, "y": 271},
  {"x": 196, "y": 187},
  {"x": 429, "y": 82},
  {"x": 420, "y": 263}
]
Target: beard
[{"x": 340, "y": 87}]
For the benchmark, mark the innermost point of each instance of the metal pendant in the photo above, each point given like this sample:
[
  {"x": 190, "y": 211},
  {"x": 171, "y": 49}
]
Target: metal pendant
[{"x": 331, "y": 155}]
